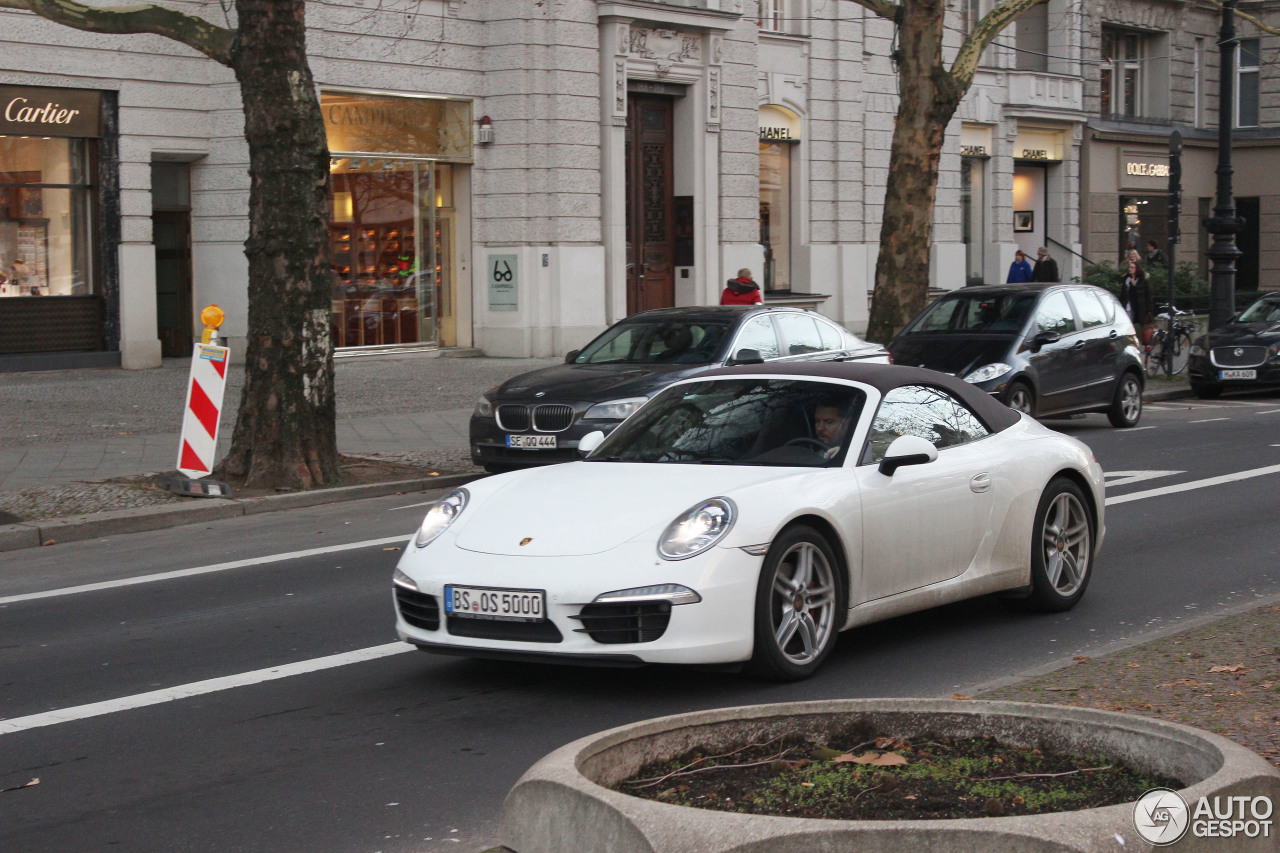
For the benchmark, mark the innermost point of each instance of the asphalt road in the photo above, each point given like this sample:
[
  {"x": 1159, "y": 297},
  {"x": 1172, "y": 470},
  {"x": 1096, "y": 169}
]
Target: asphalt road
[{"x": 261, "y": 702}]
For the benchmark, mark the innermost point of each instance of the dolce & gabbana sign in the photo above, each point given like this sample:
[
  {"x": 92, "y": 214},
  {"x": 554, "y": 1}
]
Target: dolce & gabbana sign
[
  {"x": 1143, "y": 170},
  {"x": 38, "y": 111}
]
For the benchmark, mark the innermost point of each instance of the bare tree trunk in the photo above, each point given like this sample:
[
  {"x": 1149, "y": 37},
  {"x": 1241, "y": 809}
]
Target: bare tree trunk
[
  {"x": 285, "y": 434},
  {"x": 928, "y": 99}
]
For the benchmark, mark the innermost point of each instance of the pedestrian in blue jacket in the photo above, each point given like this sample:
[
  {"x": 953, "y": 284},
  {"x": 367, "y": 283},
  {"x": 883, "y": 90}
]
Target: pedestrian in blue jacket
[{"x": 1019, "y": 270}]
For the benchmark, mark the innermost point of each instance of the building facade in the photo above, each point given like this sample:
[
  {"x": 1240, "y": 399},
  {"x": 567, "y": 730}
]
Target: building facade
[
  {"x": 513, "y": 177},
  {"x": 1152, "y": 68}
]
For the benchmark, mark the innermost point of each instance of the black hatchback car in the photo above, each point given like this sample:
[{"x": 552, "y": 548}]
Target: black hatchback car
[
  {"x": 1243, "y": 354},
  {"x": 1043, "y": 349},
  {"x": 538, "y": 417}
]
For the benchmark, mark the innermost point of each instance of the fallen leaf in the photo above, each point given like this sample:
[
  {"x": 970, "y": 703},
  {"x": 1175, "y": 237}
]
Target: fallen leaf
[
  {"x": 909, "y": 797},
  {"x": 825, "y": 753},
  {"x": 887, "y": 743},
  {"x": 1080, "y": 658},
  {"x": 1134, "y": 666},
  {"x": 391, "y": 549},
  {"x": 35, "y": 781},
  {"x": 50, "y": 542},
  {"x": 1233, "y": 668},
  {"x": 884, "y": 759},
  {"x": 960, "y": 696}
]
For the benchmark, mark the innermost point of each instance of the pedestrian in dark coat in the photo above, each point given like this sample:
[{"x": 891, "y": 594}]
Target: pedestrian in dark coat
[
  {"x": 1046, "y": 268},
  {"x": 1154, "y": 255},
  {"x": 1135, "y": 296}
]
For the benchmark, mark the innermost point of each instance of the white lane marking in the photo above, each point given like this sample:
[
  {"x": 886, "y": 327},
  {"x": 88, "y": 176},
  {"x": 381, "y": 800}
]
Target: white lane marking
[
  {"x": 1208, "y": 420},
  {"x": 1138, "y": 429},
  {"x": 1269, "y": 412},
  {"x": 201, "y": 570},
  {"x": 199, "y": 688},
  {"x": 1194, "y": 484},
  {"x": 1125, "y": 478}
]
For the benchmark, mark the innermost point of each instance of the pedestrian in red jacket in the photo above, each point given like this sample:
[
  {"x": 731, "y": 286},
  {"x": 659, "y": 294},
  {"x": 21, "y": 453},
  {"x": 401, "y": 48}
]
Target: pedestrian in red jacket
[{"x": 741, "y": 290}]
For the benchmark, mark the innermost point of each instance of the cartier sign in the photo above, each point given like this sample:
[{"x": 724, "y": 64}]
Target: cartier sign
[{"x": 32, "y": 111}]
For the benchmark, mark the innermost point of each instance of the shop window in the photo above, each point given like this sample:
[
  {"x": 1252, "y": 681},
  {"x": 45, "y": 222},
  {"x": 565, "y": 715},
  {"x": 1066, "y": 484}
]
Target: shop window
[
  {"x": 1122, "y": 79},
  {"x": 775, "y": 214},
  {"x": 973, "y": 217},
  {"x": 1248, "y": 60},
  {"x": 46, "y": 216},
  {"x": 389, "y": 250}
]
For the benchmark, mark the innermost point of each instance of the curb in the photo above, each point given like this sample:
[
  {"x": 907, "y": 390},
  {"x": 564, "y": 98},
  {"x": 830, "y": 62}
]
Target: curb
[{"x": 33, "y": 534}]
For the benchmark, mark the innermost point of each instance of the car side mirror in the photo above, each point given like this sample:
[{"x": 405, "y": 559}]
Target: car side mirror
[
  {"x": 1043, "y": 338},
  {"x": 571, "y": 355},
  {"x": 745, "y": 356},
  {"x": 590, "y": 442},
  {"x": 907, "y": 450}
]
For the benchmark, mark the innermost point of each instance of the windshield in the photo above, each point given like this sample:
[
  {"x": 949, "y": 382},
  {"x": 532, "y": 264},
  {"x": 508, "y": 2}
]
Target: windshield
[
  {"x": 657, "y": 342},
  {"x": 1265, "y": 310},
  {"x": 1005, "y": 313},
  {"x": 782, "y": 422}
]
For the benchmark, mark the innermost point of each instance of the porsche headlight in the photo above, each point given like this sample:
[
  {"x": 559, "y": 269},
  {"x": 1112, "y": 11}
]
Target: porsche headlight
[
  {"x": 988, "y": 371},
  {"x": 441, "y": 514},
  {"x": 697, "y": 529},
  {"x": 615, "y": 410}
]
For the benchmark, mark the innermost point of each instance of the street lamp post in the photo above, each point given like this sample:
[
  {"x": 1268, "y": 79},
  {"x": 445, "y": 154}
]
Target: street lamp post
[{"x": 1224, "y": 224}]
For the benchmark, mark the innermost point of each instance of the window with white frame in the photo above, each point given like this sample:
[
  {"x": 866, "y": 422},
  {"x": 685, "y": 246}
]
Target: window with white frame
[
  {"x": 782, "y": 16},
  {"x": 1248, "y": 60},
  {"x": 1122, "y": 78}
]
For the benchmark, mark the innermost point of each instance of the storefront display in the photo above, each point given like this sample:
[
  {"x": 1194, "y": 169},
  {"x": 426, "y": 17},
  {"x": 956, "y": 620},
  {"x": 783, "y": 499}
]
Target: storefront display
[
  {"x": 48, "y": 215},
  {"x": 391, "y": 197}
]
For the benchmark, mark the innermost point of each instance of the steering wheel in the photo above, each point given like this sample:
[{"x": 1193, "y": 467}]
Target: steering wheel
[{"x": 811, "y": 443}]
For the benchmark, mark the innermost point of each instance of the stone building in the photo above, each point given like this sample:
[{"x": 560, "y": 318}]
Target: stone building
[
  {"x": 514, "y": 176},
  {"x": 1152, "y": 68}
]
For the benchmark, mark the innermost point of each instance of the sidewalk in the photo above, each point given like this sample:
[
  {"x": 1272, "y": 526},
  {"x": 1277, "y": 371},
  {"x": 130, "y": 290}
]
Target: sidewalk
[{"x": 64, "y": 434}]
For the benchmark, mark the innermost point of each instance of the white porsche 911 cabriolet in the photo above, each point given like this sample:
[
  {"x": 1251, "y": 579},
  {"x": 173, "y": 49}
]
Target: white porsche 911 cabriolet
[{"x": 749, "y": 515}]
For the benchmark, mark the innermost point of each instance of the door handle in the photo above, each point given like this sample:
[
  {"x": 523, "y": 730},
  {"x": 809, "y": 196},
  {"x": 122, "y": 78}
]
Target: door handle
[
  {"x": 1078, "y": 345},
  {"x": 980, "y": 483},
  {"x": 1114, "y": 334}
]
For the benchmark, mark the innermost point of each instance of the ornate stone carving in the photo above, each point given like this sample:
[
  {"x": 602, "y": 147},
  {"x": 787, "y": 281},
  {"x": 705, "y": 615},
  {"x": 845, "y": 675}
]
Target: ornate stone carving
[{"x": 666, "y": 48}]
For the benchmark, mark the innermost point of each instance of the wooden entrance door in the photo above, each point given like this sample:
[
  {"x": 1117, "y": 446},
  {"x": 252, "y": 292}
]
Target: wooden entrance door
[{"x": 650, "y": 204}]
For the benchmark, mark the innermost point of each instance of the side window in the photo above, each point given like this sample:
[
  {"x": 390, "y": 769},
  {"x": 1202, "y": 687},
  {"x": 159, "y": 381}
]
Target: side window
[
  {"x": 1090, "y": 309},
  {"x": 800, "y": 333},
  {"x": 758, "y": 334},
  {"x": 831, "y": 336},
  {"x": 1054, "y": 315},
  {"x": 919, "y": 410}
]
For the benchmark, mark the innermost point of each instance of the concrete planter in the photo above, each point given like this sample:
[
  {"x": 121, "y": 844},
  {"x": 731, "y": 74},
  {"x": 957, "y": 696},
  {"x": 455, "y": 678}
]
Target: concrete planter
[{"x": 564, "y": 803}]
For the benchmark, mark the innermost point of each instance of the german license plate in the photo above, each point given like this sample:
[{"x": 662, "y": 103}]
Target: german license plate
[
  {"x": 516, "y": 605},
  {"x": 1237, "y": 374},
  {"x": 532, "y": 442}
]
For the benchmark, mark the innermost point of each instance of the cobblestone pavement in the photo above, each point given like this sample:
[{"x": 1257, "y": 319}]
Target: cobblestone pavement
[{"x": 65, "y": 434}]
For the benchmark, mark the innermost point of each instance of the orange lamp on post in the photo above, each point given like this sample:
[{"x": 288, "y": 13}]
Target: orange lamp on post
[{"x": 212, "y": 318}]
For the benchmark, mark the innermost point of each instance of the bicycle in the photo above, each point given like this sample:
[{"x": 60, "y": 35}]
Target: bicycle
[{"x": 1170, "y": 345}]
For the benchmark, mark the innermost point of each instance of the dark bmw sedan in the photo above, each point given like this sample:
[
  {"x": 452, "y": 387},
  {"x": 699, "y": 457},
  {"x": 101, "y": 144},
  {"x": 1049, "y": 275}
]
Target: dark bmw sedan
[
  {"x": 1243, "y": 354},
  {"x": 538, "y": 417},
  {"x": 1044, "y": 349}
]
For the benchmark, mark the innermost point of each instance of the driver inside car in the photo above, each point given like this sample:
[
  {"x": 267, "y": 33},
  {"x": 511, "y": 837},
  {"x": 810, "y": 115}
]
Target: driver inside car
[{"x": 830, "y": 422}]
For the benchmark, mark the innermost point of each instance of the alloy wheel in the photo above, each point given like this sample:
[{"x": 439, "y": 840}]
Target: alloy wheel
[
  {"x": 803, "y": 603},
  {"x": 1066, "y": 542}
]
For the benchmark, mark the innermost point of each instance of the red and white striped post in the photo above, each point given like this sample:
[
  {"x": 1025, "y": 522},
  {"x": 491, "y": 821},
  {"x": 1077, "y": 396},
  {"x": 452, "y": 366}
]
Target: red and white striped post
[{"x": 198, "y": 443}]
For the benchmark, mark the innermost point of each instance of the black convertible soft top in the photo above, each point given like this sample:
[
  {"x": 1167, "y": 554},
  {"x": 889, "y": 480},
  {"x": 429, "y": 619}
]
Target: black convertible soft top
[{"x": 885, "y": 377}]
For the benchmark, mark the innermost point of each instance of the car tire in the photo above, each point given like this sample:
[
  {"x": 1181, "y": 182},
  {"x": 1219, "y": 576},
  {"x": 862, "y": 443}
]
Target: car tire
[
  {"x": 1206, "y": 392},
  {"x": 1126, "y": 407},
  {"x": 791, "y": 642},
  {"x": 1021, "y": 398},
  {"x": 1061, "y": 548}
]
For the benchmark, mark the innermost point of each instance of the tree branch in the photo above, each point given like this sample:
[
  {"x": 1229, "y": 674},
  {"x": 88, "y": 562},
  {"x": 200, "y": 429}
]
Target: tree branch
[
  {"x": 1266, "y": 28},
  {"x": 213, "y": 41},
  {"x": 991, "y": 25},
  {"x": 883, "y": 8}
]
